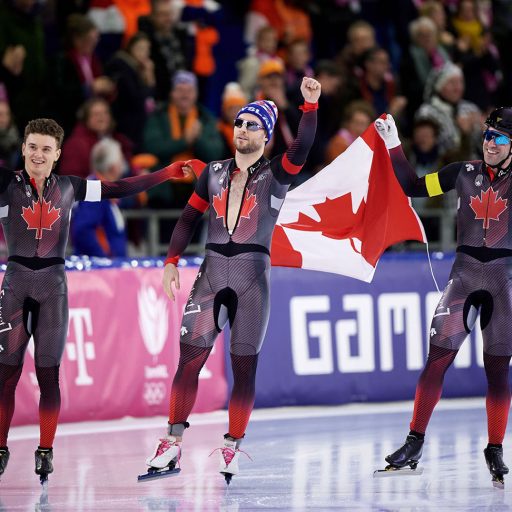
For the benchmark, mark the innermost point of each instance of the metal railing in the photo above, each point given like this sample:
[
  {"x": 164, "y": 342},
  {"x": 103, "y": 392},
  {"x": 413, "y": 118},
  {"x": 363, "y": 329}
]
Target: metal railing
[{"x": 154, "y": 246}]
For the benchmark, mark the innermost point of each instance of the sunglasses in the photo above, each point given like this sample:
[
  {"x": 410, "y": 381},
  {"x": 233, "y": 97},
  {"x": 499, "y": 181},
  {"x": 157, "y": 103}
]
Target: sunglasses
[
  {"x": 252, "y": 126},
  {"x": 499, "y": 138}
]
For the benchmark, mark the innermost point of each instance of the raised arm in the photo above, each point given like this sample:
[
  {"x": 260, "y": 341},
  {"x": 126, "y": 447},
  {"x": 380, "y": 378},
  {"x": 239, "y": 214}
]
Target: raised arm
[
  {"x": 290, "y": 163},
  {"x": 433, "y": 184}
]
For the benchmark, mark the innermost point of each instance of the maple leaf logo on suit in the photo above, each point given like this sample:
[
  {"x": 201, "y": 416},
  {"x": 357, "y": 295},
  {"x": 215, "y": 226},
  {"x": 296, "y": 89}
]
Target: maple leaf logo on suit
[
  {"x": 488, "y": 206},
  {"x": 42, "y": 215}
]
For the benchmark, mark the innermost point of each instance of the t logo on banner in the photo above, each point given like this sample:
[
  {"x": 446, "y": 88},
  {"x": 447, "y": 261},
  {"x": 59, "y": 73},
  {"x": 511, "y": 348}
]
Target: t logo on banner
[{"x": 81, "y": 350}]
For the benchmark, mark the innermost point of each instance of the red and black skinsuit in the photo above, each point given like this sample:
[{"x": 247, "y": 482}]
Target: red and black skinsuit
[
  {"x": 233, "y": 281},
  {"x": 33, "y": 297},
  {"x": 479, "y": 283}
]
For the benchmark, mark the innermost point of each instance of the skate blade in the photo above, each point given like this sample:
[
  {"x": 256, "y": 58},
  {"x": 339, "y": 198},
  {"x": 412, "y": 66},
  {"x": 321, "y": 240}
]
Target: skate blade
[
  {"x": 227, "y": 477},
  {"x": 407, "y": 471},
  {"x": 158, "y": 473}
]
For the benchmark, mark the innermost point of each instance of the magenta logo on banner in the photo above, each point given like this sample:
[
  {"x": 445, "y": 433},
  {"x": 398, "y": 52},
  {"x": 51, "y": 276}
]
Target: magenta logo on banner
[
  {"x": 153, "y": 319},
  {"x": 154, "y": 327}
]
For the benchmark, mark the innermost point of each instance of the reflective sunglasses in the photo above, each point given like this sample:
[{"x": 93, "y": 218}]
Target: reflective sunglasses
[
  {"x": 499, "y": 138},
  {"x": 252, "y": 126}
]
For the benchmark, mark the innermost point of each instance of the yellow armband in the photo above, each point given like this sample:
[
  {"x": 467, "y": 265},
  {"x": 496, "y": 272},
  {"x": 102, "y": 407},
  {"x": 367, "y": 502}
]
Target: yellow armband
[{"x": 433, "y": 185}]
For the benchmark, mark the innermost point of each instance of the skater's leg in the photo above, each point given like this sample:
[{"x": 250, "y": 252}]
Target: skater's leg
[
  {"x": 242, "y": 395},
  {"x": 199, "y": 329},
  {"x": 49, "y": 404},
  {"x": 9, "y": 377},
  {"x": 430, "y": 386},
  {"x": 248, "y": 330},
  {"x": 185, "y": 383},
  {"x": 50, "y": 325},
  {"x": 14, "y": 341},
  {"x": 428, "y": 393},
  {"x": 183, "y": 394},
  {"x": 197, "y": 336},
  {"x": 498, "y": 396}
]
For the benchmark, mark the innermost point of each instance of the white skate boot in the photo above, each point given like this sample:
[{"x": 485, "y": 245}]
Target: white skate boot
[
  {"x": 229, "y": 455},
  {"x": 164, "y": 459}
]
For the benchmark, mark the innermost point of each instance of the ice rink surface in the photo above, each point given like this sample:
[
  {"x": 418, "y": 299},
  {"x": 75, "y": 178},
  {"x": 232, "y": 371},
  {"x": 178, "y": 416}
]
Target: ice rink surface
[{"x": 302, "y": 459}]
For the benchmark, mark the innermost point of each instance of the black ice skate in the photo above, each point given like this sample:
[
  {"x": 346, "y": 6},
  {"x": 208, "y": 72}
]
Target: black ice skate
[
  {"x": 44, "y": 463},
  {"x": 497, "y": 468},
  {"x": 405, "y": 459},
  {"x": 4, "y": 459}
]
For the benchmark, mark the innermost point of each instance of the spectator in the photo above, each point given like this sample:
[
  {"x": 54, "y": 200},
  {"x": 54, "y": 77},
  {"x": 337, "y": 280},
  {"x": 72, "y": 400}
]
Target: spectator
[
  {"x": 98, "y": 229},
  {"x": 357, "y": 117},
  {"x": 94, "y": 123},
  {"x": 458, "y": 119},
  {"x": 78, "y": 73},
  {"x": 335, "y": 97},
  {"x": 169, "y": 51},
  {"x": 289, "y": 20},
  {"x": 265, "y": 48},
  {"x": 272, "y": 86},
  {"x": 434, "y": 9},
  {"x": 181, "y": 130},
  {"x": 233, "y": 99},
  {"x": 108, "y": 19},
  {"x": 423, "y": 55},
  {"x": 132, "y": 71},
  {"x": 377, "y": 85},
  {"x": 297, "y": 58},
  {"x": 467, "y": 25},
  {"x": 22, "y": 37},
  {"x": 9, "y": 138},
  {"x": 424, "y": 155},
  {"x": 360, "y": 38}
]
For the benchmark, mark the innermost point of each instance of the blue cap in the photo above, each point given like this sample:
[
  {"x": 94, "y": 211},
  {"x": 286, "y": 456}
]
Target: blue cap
[{"x": 265, "y": 111}]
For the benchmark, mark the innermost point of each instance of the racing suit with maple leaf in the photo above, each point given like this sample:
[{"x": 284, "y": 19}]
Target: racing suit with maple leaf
[
  {"x": 233, "y": 281},
  {"x": 479, "y": 282},
  {"x": 33, "y": 296}
]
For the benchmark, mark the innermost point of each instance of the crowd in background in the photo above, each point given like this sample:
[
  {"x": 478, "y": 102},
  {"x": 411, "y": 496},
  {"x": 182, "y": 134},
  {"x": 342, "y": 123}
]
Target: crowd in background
[{"x": 162, "y": 80}]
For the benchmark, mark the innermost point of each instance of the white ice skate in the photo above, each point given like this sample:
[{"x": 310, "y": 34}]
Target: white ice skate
[
  {"x": 228, "y": 462},
  {"x": 164, "y": 459}
]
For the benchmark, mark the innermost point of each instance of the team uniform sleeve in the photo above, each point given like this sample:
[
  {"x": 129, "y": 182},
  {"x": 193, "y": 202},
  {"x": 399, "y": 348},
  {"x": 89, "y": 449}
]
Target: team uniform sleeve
[
  {"x": 6, "y": 176},
  {"x": 189, "y": 219},
  {"x": 432, "y": 184},
  {"x": 287, "y": 166},
  {"x": 96, "y": 190}
]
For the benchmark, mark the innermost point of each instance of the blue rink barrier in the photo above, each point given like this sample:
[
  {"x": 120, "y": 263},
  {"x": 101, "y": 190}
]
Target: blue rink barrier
[{"x": 333, "y": 340}]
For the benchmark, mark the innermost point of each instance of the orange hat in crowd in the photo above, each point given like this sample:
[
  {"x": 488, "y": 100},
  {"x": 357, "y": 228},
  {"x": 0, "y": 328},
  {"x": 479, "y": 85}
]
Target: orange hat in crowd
[
  {"x": 233, "y": 96},
  {"x": 271, "y": 67}
]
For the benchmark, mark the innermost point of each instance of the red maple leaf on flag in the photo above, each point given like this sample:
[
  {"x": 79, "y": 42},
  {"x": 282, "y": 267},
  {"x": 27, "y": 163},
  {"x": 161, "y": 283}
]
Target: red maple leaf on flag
[
  {"x": 488, "y": 206},
  {"x": 248, "y": 205},
  {"x": 336, "y": 219},
  {"x": 40, "y": 216},
  {"x": 220, "y": 204}
]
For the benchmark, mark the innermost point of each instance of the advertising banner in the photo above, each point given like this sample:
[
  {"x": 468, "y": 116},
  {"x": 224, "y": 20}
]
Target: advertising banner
[
  {"x": 333, "y": 340},
  {"x": 122, "y": 350}
]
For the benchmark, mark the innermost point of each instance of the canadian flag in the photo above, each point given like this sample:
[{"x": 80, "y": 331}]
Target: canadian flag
[{"x": 343, "y": 218}]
